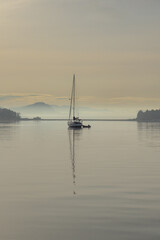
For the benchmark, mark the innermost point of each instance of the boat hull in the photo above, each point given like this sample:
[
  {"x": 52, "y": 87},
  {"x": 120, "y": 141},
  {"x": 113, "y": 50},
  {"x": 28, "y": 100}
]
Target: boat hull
[{"x": 75, "y": 124}]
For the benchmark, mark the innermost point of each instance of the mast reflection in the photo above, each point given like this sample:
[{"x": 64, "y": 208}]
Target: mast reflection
[{"x": 73, "y": 138}]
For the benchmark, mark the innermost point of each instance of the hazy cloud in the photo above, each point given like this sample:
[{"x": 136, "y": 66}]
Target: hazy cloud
[
  {"x": 113, "y": 46},
  {"x": 15, "y": 99},
  {"x": 8, "y": 97},
  {"x": 62, "y": 98}
]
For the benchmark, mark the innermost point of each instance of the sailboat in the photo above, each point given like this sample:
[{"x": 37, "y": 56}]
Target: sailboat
[{"x": 73, "y": 121}]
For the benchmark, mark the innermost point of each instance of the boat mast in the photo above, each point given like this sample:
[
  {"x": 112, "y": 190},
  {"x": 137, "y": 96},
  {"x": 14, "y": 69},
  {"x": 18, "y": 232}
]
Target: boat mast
[
  {"x": 74, "y": 96},
  {"x": 72, "y": 103}
]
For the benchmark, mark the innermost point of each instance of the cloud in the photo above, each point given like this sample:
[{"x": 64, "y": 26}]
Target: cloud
[
  {"x": 9, "y": 6},
  {"x": 12, "y": 3},
  {"x": 87, "y": 99},
  {"x": 62, "y": 98},
  {"x": 18, "y": 99},
  {"x": 120, "y": 100},
  {"x": 8, "y": 97}
]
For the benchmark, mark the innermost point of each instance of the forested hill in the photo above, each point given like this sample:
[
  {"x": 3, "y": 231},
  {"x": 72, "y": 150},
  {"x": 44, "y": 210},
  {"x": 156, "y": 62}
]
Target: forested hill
[
  {"x": 7, "y": 115},
  {"x": 149, "y": 116}
]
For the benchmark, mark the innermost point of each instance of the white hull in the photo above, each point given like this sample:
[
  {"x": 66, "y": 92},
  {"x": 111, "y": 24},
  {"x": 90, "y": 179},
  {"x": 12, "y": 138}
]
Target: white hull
[{"x": 75, "y": 124}]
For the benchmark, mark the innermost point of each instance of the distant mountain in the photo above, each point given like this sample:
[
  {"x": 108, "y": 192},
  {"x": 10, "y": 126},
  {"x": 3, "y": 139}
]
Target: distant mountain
[
  {"x": 39, "y": 105},
  {"x": 42, "y": 110}
]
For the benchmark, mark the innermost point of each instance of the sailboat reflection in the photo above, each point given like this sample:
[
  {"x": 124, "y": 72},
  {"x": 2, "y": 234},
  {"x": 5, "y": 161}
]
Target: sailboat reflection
[{"x": 73, "y": 137}]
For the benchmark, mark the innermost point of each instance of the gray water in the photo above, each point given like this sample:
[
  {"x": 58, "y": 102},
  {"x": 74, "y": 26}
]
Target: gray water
[{"x": 99, "y": 183}]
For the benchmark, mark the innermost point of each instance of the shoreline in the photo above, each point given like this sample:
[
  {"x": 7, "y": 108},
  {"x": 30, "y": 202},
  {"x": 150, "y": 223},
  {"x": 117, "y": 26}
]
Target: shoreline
[
  {"x": 89, "y": 120},
  {"x": 62, "y": 119}
]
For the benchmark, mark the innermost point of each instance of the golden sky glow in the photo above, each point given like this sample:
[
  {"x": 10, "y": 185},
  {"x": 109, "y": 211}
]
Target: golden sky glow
[{"x": 113, "y": 46}]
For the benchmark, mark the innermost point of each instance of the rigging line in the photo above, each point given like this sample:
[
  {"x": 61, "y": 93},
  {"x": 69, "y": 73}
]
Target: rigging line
[
  {"x": 77, "y": 98},
  {"x": 70, "y": 111}
]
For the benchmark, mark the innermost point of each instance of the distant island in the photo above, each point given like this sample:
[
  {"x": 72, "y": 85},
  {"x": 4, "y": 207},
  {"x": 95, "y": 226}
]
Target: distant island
[
  {"x": 149, "y": 116},
  {"x": 7, "y": 115}
]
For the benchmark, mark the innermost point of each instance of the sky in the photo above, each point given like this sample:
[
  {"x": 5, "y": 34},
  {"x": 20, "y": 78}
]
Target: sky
[{"x": 113, "y": 47}]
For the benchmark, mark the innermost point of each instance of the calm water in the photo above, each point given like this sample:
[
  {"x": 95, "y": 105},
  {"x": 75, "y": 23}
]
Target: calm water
[{"x": 99, "y": 183}]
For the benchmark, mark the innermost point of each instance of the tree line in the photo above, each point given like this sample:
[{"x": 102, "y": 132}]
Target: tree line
[
  {"x": 148, "y": 116},
  {"x": 8, "y": 115}
]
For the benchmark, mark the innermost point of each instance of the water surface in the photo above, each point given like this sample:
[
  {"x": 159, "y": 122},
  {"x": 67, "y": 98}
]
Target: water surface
[{"x": 99, "y": 183}]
